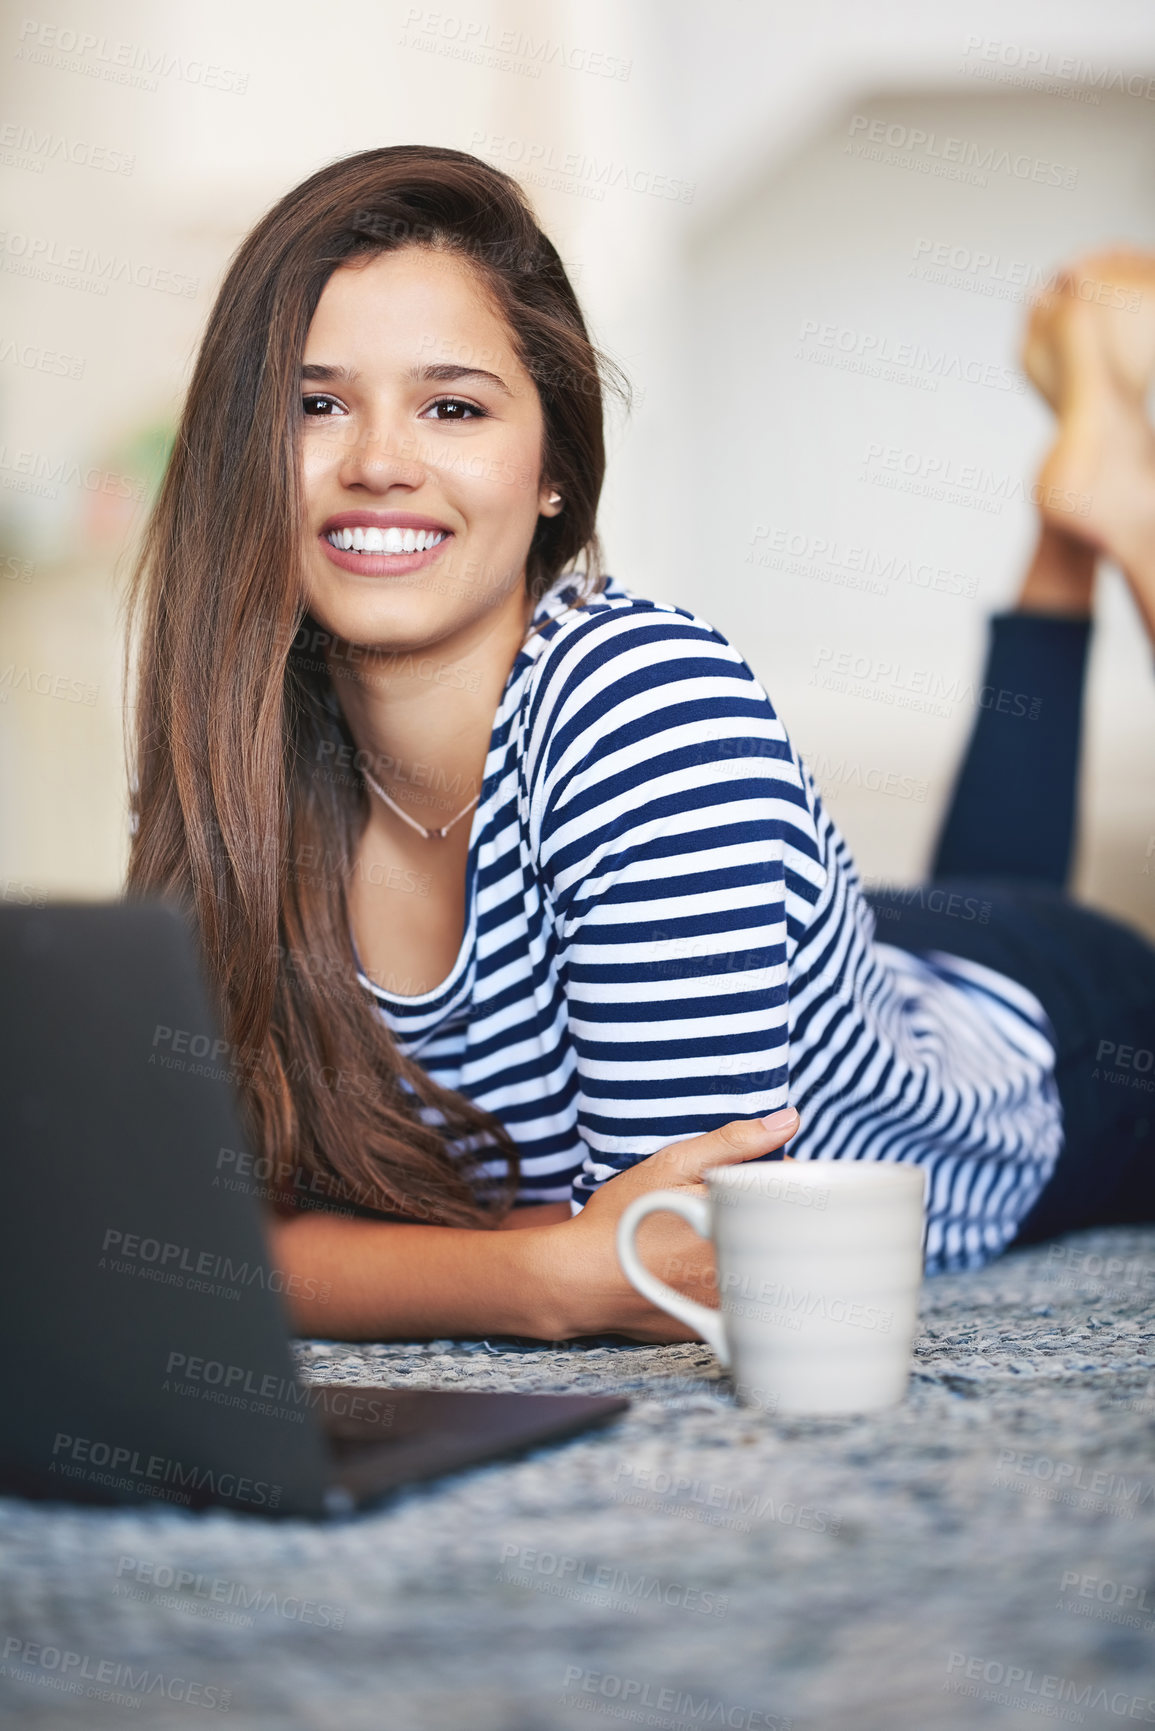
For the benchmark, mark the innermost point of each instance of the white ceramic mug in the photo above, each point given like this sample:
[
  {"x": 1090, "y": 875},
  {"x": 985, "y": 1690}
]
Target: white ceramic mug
[{"x": 819, "y": 1267}]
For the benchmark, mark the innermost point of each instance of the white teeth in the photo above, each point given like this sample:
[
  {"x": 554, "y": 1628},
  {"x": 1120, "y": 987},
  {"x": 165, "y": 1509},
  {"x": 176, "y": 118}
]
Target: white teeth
[{"x": 373, "y": 540}]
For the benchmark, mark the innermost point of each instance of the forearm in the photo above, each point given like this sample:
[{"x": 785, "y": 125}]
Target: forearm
[
  {"x": 552, "y": 1280},
  {"x": 385, "y": 1281},
  {"x": 537, "y": 1214}
]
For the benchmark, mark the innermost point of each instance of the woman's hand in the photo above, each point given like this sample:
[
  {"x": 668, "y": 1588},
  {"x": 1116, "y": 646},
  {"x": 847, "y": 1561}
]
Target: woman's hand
[
  {"x": 355, "y": 1279},
  {"x": 590, "y": 1293}
]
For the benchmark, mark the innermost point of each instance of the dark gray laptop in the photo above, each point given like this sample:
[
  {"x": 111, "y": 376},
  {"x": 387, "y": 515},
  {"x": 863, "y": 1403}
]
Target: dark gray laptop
[{"x": 147, "y": 1342}]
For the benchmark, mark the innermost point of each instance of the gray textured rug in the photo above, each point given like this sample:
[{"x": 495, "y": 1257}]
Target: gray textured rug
[{"x": 983, "y": 1555}]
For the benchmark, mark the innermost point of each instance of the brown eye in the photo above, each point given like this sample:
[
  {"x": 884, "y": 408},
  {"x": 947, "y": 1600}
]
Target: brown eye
[
  {"x": 457, "y": 403},
  {"x": 331, "y": 405}
]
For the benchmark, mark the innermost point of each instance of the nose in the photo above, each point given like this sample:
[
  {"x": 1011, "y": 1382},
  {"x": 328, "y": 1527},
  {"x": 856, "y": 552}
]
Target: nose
[{"x": 381, "y": 454}]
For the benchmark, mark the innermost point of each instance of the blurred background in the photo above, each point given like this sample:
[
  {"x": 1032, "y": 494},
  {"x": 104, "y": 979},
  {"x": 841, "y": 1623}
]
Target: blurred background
[{"x": 819, "y": 302}]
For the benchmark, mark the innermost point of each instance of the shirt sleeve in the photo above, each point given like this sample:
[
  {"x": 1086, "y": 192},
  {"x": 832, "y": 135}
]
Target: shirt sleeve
[{"x": 677, "y": 849}]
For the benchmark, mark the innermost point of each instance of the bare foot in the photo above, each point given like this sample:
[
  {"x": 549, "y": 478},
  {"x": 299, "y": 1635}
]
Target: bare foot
[
  {"x": 1119, "y": 288},
  {"x": 1090, "y": 350}
]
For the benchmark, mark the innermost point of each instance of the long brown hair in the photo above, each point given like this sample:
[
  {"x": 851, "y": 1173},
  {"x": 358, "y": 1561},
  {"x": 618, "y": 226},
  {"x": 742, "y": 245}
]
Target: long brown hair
[{"x": 232, "y": 821}]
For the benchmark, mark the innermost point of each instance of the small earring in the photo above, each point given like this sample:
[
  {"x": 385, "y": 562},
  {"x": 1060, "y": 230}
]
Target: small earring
[{"x": 555, "y": 499}]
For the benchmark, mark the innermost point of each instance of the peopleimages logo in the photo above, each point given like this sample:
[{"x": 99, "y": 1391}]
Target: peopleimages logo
[
  {"x": 26, "y": 147},
  {"x": 35, "y": 359},
  {"x": 716, "y": 1505},
  {"x": 797, "y": 1304},
  {"x": 1033, "y": 68},
  {"x": 188, "y": 1590},
  {"x": 606, "y": 1584},
  {"x": 1071, "y": 1482},
  {"x": 76, "y": 1456},
  {"x": 1014, "y": 1682},
  {"x": 827, "y": 560},
  {"x": 880, "y": 356},
  {"x": 1021, "y": 273},
  {"x": 1117, "y": 1063},
  {"x": 34, "y": 255},
  {"x": 508, "y": 50},
  {"x": 840, "y": 772},
  {"x": 939, "y": 901},
  {"x": 633, "y": 1693},
  {"x": 102, "y": 1679},
  {"x": 240, "y": 1385},
  {"x": 955, "y": 158},
  {"x": 126, "y": 1251},
  {"x": 1123, "y": 1602},
  {"x": 136, "y": 64},
  {"x": 967, "y": 484},
  {"x": 885, "y": 681},
  {"x": 1081, "y": 1265},
  {"x": 574, "y": 170}
]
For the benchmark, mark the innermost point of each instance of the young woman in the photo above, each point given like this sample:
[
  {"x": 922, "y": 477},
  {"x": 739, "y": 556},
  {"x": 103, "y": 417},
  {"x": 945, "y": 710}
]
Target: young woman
[{"x": 516, "y": 895}]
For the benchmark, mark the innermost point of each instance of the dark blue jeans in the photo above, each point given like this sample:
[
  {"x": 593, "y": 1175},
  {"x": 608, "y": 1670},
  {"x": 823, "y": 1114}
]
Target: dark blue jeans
[{"x": 996, "y": 897}]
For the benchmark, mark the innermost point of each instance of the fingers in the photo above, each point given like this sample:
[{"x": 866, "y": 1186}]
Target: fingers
[{"x": 741, "y": 1139}]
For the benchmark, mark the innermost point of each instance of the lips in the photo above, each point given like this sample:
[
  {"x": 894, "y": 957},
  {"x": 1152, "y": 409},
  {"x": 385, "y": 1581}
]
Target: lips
[
  {"x": 393, "y": 538},
  {"x": 381, "y": 520}
]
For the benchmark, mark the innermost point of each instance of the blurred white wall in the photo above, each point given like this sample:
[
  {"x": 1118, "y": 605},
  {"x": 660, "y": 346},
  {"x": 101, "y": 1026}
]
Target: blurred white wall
[
  {"x": 846, "y": 373},
  {"x": 133, "y": 164}
]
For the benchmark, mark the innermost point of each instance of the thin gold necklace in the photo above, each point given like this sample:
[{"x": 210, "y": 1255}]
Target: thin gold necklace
[
  {"x": 429, "y": 834},
  {"x": 436, "y": 834}
]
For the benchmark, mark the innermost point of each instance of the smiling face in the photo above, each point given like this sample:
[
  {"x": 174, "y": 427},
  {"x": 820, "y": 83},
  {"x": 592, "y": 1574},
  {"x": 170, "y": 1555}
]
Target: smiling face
[{"x": 421, "y": 440}]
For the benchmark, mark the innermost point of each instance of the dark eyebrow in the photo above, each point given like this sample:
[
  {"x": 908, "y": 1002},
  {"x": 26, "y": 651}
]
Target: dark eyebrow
[
  {"x": 443, "y": 372},
  {"x": 324, "y": 375}
]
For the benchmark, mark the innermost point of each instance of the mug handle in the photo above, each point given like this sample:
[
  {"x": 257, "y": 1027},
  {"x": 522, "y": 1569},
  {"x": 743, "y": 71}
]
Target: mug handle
[{"x": 695, "y": 1210}]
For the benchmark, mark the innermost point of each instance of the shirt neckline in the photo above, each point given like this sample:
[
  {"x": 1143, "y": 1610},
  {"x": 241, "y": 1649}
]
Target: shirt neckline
[
  {"x": 552, "y": 604},
  {"x": 432, "y": 998}
]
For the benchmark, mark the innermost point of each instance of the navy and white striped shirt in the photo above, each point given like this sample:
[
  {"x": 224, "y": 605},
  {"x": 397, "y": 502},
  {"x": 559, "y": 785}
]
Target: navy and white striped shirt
[{"x": 666, "y": 931}]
